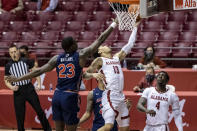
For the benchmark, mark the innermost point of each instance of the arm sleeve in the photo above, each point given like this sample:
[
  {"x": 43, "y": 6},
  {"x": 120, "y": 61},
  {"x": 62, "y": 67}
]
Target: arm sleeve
[
  {"x": 52, "y": 5},
  {"x": 145, "y": 93},
  {"x": 7, "y": 70}
]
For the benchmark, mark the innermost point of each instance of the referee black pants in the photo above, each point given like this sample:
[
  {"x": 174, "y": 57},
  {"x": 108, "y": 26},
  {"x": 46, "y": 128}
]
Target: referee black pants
[{"x": 28, "y": 93}]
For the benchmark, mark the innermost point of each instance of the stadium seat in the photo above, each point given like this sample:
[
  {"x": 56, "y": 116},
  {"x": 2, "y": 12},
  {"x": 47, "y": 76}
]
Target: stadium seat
[
  {"x": 29, "y": 36},
  {"x": 19, "y": 44},
  {"x": 168, "y": 36},
  {"x": 113, "y": 37},
  {"x": 70, "y": 6},
  {"x": 103, "y": 6},
  {"x": 182, "y": 50},
  {"x": 56, "y": 52},
  {"x": 7, "y": 17},
  {"x": 192, "y": 16},
  {"x": 116, "y": 46},
  {"x": 30, "y": 16},
  {"x": 82, "y": 16},
  {"x": 73, "y": 34},
  {"x": 9, "y": 36},
  {"x": 94, "y": 26},
  {"x": 55, "y": 26},
  {"x": 179, "y": 16},
  {"x": 190, "y": 26},
  {"x": 173, "y": 26},
  {"x": 75, "y": 26},
  {"x": 2, "y": 26},
  {"x": 18, "y": 26},
  {"x": 187, "y": 37},
  {"x": 101, "y": 15},
  {"x": 148, "y": 36},
  {"x": 163, "y": 49},
  {"x": 36, "y": 26},
  {"x": 44, "y": 16},
  {"x": 88, "y": 6},
  {"x": 87, "y": 36},
  {"x": 30, "y": 6},
  {"x": 124, "y": 36},
  {"x": 152, "y": 26},
  {"x": 82, "y": 44},
  {"x": 5, "y": 45},
  {"x": 62, "y": 16},
  {"x": 161, "y": 17},
  {"x": 49, "y": 36}
]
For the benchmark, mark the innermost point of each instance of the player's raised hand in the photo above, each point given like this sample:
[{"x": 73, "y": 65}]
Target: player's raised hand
[
  {"x": 98, "y": 76},
  {"x": 115, "y": 20},
  {"x": 151, "y": 113},
  {"x": 11, "y": 79}
]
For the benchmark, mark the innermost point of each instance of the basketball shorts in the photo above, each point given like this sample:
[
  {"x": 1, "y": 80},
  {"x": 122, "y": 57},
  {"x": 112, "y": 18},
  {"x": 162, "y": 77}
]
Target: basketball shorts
[
  {"x": 156, "y": 128},
  {"x": 65, "y": 107},
  {"x": 114, "y": 108}
]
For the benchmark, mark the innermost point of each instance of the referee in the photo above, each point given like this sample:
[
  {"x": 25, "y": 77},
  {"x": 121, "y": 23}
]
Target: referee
[{"x": 23, "y": 90}]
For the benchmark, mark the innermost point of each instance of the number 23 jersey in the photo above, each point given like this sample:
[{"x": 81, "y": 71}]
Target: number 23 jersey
[
  {"x": 160, "y": 103},
  {"x": 112, "y": 70}
]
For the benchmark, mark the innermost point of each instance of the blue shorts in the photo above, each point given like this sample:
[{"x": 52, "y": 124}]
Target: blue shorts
[
  {"x": 96, "y": 126},
  {"x": 65, "y": 107}
]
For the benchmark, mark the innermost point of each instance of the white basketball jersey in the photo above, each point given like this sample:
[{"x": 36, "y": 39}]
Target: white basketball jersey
[
  {"x": 112, "y": 70},
  {"x": 160, "y": 103}
]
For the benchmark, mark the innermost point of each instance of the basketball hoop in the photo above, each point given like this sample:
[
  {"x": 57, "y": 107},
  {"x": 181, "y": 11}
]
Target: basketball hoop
[{"x": 126, "y": 11}]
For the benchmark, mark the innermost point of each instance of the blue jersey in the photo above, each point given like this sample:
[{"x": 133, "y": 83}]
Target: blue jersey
[
  {"x": 98, "y": 119},
  {"x": 68, "y": 71}
]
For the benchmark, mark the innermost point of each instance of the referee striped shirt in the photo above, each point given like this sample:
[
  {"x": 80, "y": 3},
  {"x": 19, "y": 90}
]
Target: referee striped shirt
[{"x": 19, "y": 68}]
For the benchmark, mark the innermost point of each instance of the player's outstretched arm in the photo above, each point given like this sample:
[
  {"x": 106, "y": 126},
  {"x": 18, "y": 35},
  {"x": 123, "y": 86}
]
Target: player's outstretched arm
[
  {"x": 90, "y": 50},
  {"x": 89, "y": 108},
  {"x": 45, "y": 68},
  {"x": 90, "y": 72},
  {"x": 127, "y": 48}
]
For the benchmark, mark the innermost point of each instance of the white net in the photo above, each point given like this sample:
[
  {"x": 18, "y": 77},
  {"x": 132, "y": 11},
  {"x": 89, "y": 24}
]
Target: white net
[{"x": 126, "y": 16}]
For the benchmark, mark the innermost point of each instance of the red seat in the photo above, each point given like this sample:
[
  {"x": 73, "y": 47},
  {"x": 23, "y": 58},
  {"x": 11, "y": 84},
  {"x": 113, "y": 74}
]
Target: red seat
[
  {"x": 18, "y": 26},
  {"x": 30, "y": 6},
  {"x": 81, "y": 16},
  {"x": 29, "y": 36},
  {"x": 88, "y": 6},
  {"x": 103, "y": 6},
  {"x": 55, "y": 26},
  {"x": 82, "y": 44},
  {"x": 87, "y": 36},
  {"x": 179, "y": 16},
  {"x": 173, "y": 26},
  {"x": 6, "y": 17},
  {"x": 161, "y": 17},
  {"x": 152, "y": 26},
  {"x": 192, "y": 16},
  {"x": 62, "y": 16},
  {"x": 36, "y": 26},
  {"x": 187, "y": 37},
  {"x": 44, "y": 16},
  {"x": 124, "y": 36},
  {"x": 74, "y": 26},
  {"x": 9, "y": 36},
  {"x": 2, "y": 26},
  {"x": 168, "y": 36},
  {"x": 182, "y": 50},
  {"x": 42, "y": 44},
  {"x": 56, "y": 52},
  {"x": 163, "y": 49},
  {"x": 148, "y": 36},
  {"x": 73, "y": 34},
  {"x": 49, "y": 36},
  {"x": 101, "y": 15},
  {"x": 94, "y": 26},
  {"x": 5, "y": 45},
  {"x": 116, "y": 46},
  {"x": 70, "y": 6},
  {"x": 113, "y": 37},
  {"x": 19, "y": 44},
  {"x": 190, "y": 26},
  {"x": 30, "y": 16}
]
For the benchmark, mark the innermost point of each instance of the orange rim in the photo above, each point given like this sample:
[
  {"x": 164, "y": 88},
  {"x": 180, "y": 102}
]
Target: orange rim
[{"x": 125, "y": 1}]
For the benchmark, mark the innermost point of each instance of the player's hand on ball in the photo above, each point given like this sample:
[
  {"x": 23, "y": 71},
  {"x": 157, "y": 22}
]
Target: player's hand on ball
[
  {"x": 151, "y": 113},
  {"x": 11, "y": 78},
  {"x": 98, "y": 76}
]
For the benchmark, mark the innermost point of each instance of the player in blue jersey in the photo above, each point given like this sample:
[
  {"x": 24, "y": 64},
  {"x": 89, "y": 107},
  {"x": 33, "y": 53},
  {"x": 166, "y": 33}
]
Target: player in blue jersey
[
  {"x": 94, "y": 105},
  {"x": 69, "y": 70}
]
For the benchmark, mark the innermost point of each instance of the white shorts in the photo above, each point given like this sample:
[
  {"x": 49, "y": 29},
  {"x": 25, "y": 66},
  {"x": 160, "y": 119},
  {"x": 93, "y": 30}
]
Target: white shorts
[
  {"x": 156, "y": 128},
  {"x": 115, "y": 108}
]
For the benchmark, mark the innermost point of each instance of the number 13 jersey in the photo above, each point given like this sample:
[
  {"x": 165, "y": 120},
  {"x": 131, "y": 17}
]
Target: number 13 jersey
[
  {"x": 160, "y": 102},
  {"x": 112, "y": 70}
]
